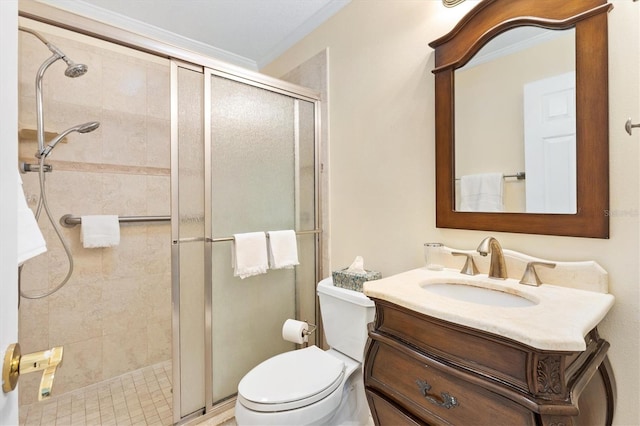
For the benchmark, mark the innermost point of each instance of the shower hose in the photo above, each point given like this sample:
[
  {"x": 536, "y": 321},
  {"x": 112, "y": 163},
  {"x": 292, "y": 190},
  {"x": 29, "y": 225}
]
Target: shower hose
[{"x": 42, "y": 202}]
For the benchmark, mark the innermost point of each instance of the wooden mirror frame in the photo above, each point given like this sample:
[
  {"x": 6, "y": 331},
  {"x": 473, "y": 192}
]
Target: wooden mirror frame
[{"x": 484, "y": 22}]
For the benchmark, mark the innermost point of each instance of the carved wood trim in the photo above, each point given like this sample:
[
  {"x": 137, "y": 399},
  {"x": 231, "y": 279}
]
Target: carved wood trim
[
  {"x": 484, "y": 23},
  {"x": 549, "y": 376}
]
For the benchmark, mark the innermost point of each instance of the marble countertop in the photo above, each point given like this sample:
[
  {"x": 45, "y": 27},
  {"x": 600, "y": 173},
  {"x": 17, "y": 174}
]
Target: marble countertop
[{"x": 559, "y": 320}]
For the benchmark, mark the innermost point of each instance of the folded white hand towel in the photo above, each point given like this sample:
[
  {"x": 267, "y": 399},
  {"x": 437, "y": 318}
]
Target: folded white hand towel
[
  {"x": 283, "y": 249},
  {"x": 100, "y": 231},
  {"x": 30, "y": 240},
  {"x": 249, "y": 254},
  {"x": 481, "y": 192}
]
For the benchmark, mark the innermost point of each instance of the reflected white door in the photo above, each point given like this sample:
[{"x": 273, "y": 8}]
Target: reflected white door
[{"x": 550, "y": 144}]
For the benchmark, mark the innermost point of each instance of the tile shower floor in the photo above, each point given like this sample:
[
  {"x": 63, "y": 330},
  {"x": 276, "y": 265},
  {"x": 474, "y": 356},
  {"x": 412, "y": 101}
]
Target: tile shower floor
[{"x": 142, "y": 397}]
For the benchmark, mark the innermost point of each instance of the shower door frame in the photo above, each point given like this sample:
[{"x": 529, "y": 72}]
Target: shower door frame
[{"x": 51, "y": 15}]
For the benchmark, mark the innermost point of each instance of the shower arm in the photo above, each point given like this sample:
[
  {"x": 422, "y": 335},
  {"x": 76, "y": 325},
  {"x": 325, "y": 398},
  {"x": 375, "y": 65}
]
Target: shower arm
[
  {"x": 57, "y": 54},
  {"x": 35, "y": 33}
]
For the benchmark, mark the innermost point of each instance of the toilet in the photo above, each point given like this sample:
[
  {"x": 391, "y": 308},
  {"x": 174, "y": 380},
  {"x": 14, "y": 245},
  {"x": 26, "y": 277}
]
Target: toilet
[{"x": 310, "y": 386}]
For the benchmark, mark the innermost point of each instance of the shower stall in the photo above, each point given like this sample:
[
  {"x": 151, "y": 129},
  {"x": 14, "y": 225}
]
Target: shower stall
[
  {"x": 220, "y": 150},
  {"x": 113, "y": 314}
]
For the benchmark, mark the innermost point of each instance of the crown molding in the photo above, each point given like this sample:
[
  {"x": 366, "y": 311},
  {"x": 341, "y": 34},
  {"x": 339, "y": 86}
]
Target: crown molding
[
  {"x": 330, "y": 9},
  {"x": 88, "y": 10}
]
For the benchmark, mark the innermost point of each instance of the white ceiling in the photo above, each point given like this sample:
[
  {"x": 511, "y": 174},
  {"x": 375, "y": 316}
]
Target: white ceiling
[{"x": 249, "y": 33}]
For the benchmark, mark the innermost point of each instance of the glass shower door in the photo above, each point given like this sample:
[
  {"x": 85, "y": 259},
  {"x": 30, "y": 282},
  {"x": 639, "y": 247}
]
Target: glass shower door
[
  {"x": 188, "y": 242},
  {"x": 244, "y": 159},
  {"x": 254, "y": 187}
]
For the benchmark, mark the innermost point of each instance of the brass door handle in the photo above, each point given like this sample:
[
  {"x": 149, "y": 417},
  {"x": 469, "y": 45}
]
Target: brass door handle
[{"x": 16, "y": 364}]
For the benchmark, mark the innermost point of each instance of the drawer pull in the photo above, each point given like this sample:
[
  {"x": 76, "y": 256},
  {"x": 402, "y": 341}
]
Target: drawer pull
[{"x": 447, "y": 401}]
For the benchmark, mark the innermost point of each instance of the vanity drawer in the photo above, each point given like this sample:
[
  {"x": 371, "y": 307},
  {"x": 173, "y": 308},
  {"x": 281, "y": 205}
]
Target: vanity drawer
[
  {"x": 426, "y": 389},
  {"x": 473, "y": 349},
  {"x": 386, "y": 413}
]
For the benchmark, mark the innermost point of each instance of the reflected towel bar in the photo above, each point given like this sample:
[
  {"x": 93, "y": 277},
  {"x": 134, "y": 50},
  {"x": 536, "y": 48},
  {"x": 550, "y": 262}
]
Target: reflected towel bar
[
  {"x": 69, "y": 221},
  {"x": 519, "y": 176}
]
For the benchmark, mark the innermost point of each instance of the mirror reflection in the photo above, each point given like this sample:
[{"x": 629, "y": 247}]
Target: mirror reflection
[{"x": 515, "y": 127}]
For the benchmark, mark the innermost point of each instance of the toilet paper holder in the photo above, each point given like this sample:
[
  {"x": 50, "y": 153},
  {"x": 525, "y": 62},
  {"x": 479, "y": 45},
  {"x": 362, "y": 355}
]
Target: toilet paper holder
[
  {"x": 312, "y": 329},
  {"x": 297, "y": 331}
]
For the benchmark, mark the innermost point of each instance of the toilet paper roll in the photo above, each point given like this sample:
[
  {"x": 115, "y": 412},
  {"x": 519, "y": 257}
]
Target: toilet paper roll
[{"x": 295, "y": 331}]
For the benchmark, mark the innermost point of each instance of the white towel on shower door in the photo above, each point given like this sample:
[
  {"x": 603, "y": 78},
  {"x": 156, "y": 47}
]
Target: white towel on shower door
[
  {"x": 30, "y": 240},
  {"x": 283, "y": 249},
  {"x": 481, "y": 192},
  {"x": 249, "y": 254},
  {"x": 100, "y": 231}
]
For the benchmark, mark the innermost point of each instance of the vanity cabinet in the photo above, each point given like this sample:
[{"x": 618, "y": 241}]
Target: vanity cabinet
[{"x": 422, "y": 370}]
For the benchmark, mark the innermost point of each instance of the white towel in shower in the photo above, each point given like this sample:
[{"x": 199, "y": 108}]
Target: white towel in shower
[
  {"x": 249, "y": 254},
  {"x": 283, "y": 249},
  {"x": 481, "y": 192},
  {"x": 100, "y": 231},
  {"x": 30, "y": 240}
]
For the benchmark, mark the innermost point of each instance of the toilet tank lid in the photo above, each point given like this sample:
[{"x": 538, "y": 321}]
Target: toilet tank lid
[{"x": 326, "y": 287}]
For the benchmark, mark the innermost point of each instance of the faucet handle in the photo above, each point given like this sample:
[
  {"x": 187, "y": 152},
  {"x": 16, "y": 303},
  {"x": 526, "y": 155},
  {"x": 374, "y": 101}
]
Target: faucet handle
[
  {"x": 530, "y": 276},
  {"x": 469, "y": 267}
]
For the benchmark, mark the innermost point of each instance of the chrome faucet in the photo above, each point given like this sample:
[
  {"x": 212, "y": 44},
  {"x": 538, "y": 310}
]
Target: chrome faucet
[{"x": 497, "y": 267}]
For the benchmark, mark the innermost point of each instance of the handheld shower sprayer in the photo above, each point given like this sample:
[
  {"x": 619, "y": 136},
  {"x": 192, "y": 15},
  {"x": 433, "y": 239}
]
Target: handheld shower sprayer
[{"x": 80, "y": 128}]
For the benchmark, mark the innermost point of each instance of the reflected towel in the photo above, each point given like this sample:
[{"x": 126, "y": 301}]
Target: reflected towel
[
  {"x": 30, "y": 240},
  {"x": 249, "y": 254},
  {"x": 481, "y": 193},
  {"x": 100, "y": 231},
  {"x": 283, "y": 249}
]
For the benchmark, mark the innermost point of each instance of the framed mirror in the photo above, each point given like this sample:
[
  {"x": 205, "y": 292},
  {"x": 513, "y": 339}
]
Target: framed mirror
[{"x": 558, "y": 187}]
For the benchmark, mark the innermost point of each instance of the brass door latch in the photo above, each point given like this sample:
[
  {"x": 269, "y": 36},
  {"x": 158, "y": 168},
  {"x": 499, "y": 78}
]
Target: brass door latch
[{"x": 16, "y": 364}]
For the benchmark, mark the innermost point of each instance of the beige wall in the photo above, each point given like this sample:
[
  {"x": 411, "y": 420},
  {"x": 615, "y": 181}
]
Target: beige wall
[
  {"x": 114, "y": 315},
  {"x": 381, "y": 153}
]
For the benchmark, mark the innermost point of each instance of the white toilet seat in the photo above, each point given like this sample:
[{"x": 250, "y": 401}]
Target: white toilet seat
[{"x": 291, "y": 380}]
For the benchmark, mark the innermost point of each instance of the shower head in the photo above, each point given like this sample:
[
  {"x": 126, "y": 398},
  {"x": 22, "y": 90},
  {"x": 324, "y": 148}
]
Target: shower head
[
  {"x": 75, "y": 70},
  {"x": 80, "y": 128}
]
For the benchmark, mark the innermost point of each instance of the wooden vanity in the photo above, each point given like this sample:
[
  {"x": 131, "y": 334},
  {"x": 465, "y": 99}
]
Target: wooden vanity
[
  {"x": 423, "y": 370},
  {"x": 438, "y": 360}
]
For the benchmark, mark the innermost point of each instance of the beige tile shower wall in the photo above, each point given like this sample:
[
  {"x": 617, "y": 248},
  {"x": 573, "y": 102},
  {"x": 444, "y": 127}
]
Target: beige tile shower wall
[{"x": 114, "y": 314}]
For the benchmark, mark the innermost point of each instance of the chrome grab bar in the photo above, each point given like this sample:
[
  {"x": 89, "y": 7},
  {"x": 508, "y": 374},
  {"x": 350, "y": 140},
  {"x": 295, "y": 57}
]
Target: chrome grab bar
[{"x": 69, "y": 221}]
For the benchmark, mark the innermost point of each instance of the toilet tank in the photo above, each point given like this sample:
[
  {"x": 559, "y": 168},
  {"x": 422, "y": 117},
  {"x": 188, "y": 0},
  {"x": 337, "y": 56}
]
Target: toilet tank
[{"x": 345, "y": 315}]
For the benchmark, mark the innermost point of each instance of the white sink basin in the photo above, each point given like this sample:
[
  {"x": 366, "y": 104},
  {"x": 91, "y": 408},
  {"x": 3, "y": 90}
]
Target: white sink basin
[{"x": 479, "y": 295}]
